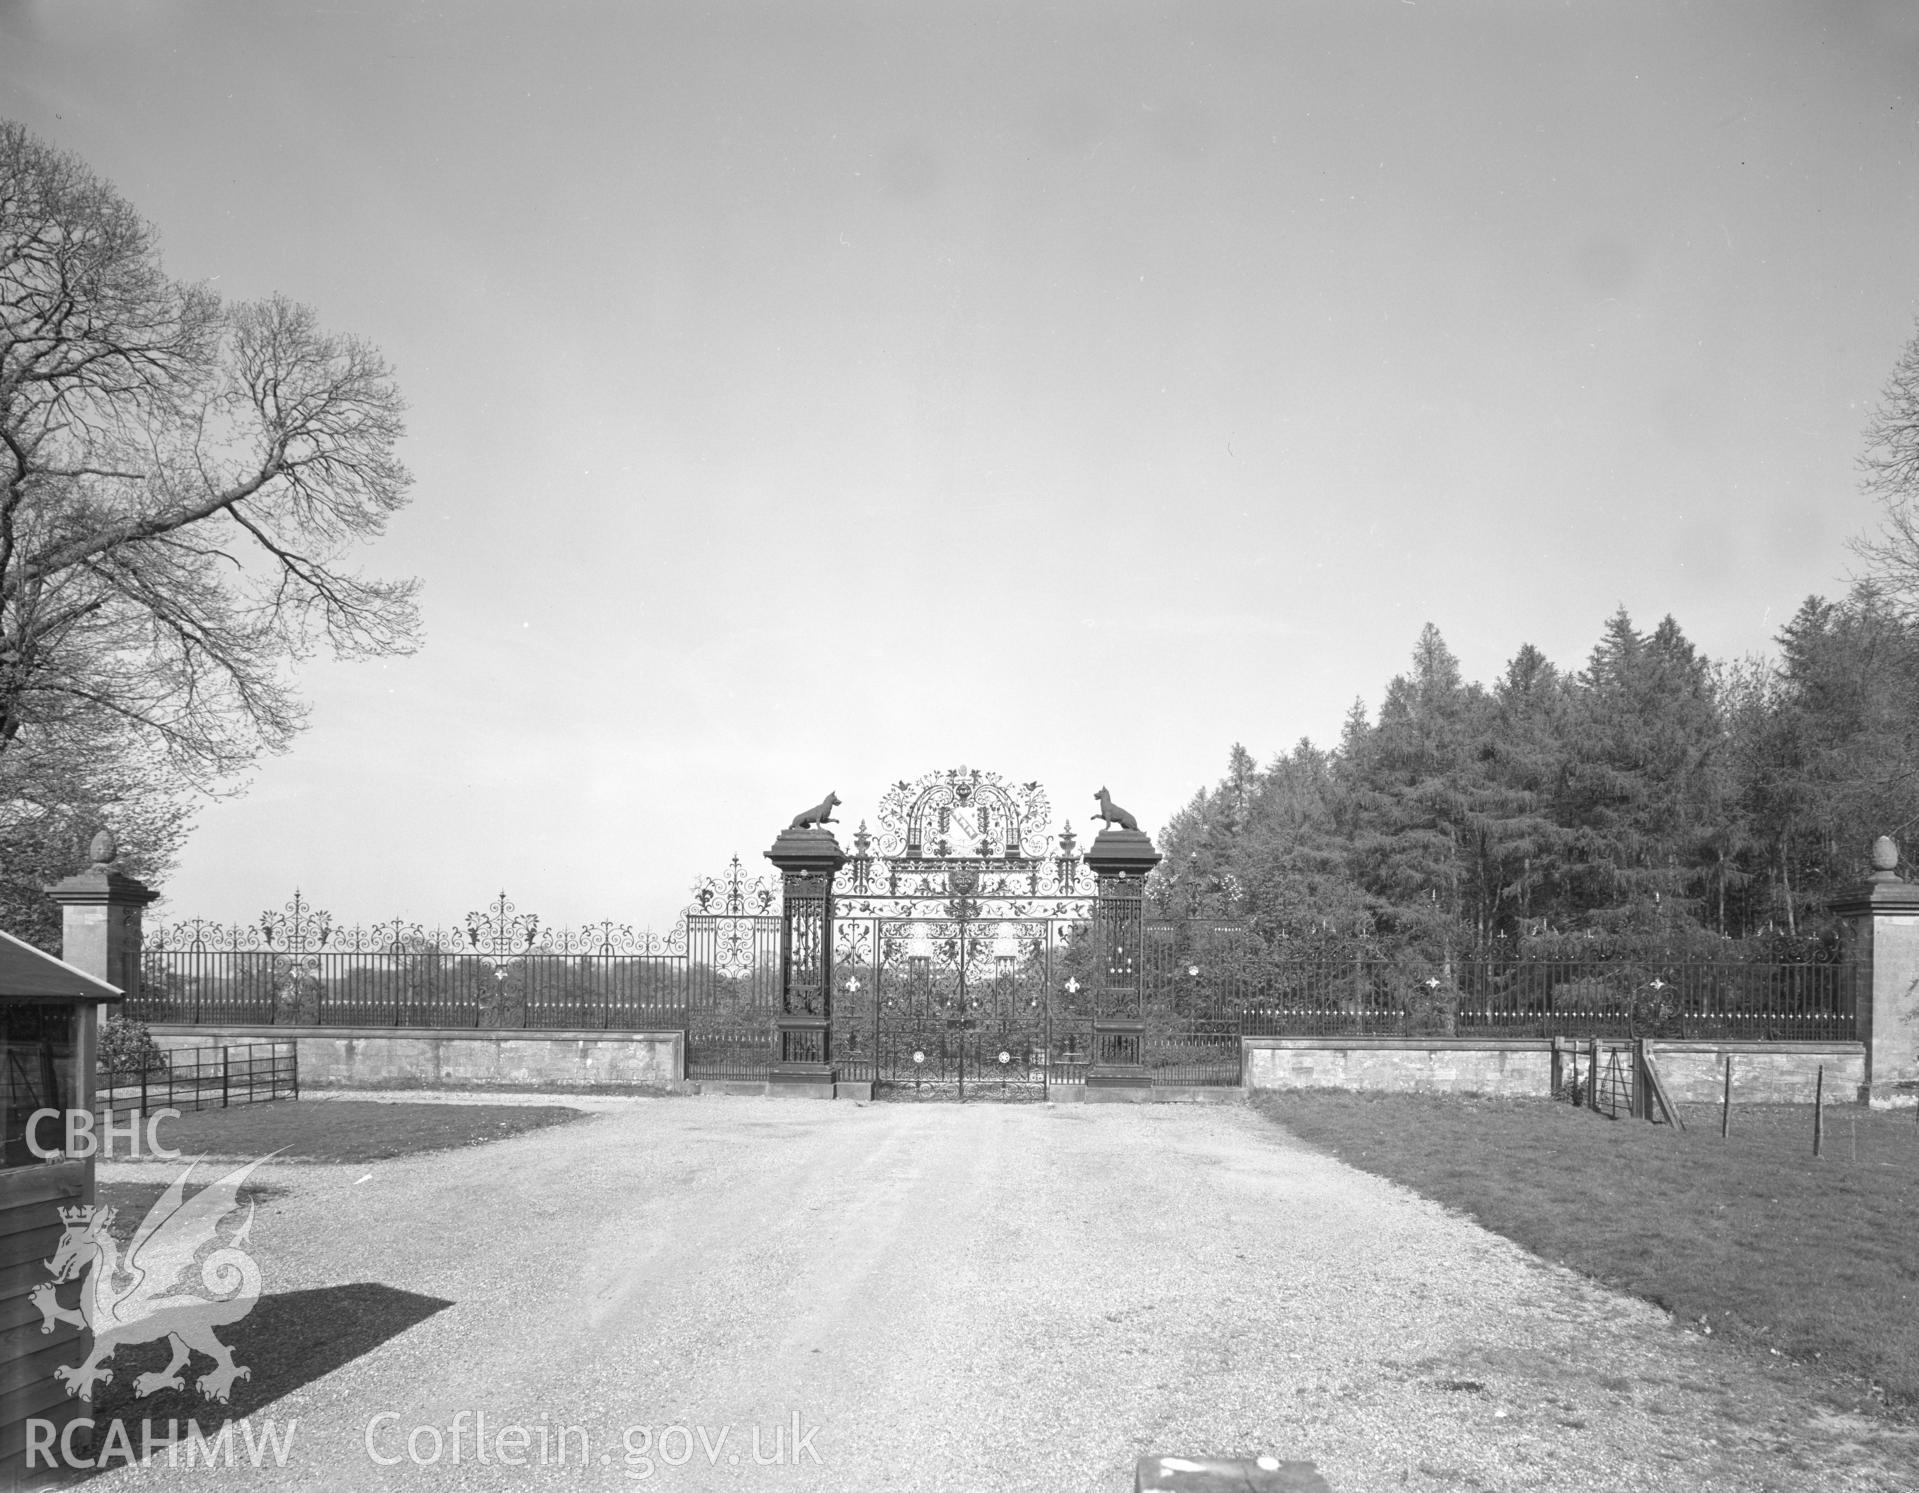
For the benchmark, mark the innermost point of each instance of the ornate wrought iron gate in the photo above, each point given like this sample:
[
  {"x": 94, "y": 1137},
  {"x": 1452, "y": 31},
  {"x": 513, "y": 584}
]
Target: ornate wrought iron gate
[
  {"x": 956, "y": 1007},
  {"x": 963, "y": 962},
  {"x": 956, "y": 924}
]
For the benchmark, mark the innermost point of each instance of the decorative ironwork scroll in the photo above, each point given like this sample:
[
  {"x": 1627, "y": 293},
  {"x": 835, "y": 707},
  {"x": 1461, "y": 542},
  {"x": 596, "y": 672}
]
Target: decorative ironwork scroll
[
  {"x": 299, "y": 929},
  {"x": 957, "y": 918},
  {"x": 970, "y": 823},
  {"x": 804, "y": 985},
  {"x": 501, "y": 930},
  {"x": 733, "y": 902},
  {"x": 963, "y": 812},
  {"x": 807, "y": 859},
  {"x": 736, "y": 894},
  {"x": 497, "y": 966},
  {"x": 1120, "y": 929},
  {"x": 1122, "y": 859}
]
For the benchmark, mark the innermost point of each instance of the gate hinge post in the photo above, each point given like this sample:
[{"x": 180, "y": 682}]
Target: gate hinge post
[
  {"x": 808, "y": 859},
  {"x": 1120, "y": 860}
]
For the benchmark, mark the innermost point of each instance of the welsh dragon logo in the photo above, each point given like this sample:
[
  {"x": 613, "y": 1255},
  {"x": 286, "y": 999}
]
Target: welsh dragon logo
[{"x": 148, "y": 1295}]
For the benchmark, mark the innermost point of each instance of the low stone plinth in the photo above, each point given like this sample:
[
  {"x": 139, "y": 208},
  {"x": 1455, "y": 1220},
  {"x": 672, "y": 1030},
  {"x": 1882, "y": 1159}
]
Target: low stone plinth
[
  {"x": 790, "y": 1089},
  {"x": 1521, "y": 1067},
  {"x": 1395, "y": 1065},
  {"x": 1762, "y": 1072},
  {"x": 394, "y": 1057}
]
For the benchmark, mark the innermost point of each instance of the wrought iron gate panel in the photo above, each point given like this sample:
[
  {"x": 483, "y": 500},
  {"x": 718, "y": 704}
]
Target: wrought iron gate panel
[
  {"x": 1072, "y": 957},
  {"x": 950, "y": 919},
  {"x": 1194, "y": 996},
  {"x": 732, "y": 936},
  {"x": 946, "y": 1001},
  {"x": 929, "y": 1004},
  {"x": 921, "y": 994}
]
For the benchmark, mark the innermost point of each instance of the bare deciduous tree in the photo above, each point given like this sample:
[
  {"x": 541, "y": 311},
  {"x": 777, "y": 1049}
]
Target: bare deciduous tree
[
  {"x": 56, "y": 791},
  {"x": 181, "y": 482},
  {"x": 1891, "y": 467}
]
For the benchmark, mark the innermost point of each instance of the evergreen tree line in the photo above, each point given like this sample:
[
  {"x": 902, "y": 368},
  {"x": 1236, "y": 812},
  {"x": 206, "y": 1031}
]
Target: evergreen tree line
[{"x": 1653, "y": 800}]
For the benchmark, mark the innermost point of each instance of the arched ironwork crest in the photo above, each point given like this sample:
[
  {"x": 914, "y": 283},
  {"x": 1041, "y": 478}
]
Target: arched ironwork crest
[
  {"x": 963, "y": 812},
  {"x": 969, "y": 835}
]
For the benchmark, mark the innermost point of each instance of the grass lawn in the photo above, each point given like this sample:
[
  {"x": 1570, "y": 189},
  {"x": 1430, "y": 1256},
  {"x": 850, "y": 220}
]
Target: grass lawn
[
  {"x": 352, "y": 1129},
  {"x": 1751, "y": 1238}
]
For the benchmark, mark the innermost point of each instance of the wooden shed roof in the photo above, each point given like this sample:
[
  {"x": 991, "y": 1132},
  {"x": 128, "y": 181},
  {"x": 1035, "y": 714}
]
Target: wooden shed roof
[{"x": 28, "y": 974}]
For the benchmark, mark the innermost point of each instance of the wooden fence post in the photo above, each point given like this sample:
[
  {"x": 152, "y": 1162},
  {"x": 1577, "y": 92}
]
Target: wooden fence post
[
  {"x": 1725, "y": 1104},
  {"x": 1819, "y": 1110}
]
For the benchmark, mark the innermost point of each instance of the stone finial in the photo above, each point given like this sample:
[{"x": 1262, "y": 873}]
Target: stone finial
[
  {"x": 1885, "y": 858},
  {"x": 104, "y": 850}
]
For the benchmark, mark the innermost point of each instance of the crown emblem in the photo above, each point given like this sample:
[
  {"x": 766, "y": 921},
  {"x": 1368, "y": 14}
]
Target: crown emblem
[{"x": 82, "y": 1214}]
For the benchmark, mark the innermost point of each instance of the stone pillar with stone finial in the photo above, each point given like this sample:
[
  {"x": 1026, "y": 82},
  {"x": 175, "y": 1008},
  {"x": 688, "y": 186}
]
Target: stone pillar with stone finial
[
  {"x": 1880, "y": 939},
  {"x": 808, "y": 858},
  {"x": 101, "y": 910},
  {"x": 1120, "y": 859}
]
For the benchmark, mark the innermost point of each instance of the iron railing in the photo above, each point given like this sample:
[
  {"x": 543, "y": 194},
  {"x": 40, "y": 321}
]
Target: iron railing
[
  {"x": 1195, "y": 1019},
  {"x": 498, "y": 967},
  {"x": 187, "y": 1078},
  {"x": 1706, "y": 1001},
  {"x": 999, "y": 966},
  {"x": 429, "y": 988}
]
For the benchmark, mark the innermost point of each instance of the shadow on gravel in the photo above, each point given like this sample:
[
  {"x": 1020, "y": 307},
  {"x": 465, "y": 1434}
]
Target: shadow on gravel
[{"x": 287, "y": 1340}]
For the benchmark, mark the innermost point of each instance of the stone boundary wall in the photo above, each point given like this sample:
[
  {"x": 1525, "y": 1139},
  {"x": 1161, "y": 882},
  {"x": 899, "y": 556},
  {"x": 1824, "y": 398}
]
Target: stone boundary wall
[
  {"x": 395, "y": 1057},
  {"x": 1762, "y": 1072},
  {"x": 1693, "y": 1072}
]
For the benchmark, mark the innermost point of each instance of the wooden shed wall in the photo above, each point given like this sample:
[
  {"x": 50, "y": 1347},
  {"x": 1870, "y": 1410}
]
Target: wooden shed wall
[{"x": 30, "y": 1229}]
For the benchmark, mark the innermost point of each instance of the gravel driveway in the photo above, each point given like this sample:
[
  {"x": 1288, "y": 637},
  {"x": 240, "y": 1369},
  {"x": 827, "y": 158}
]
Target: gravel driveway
[{"x": 980, "y": 1297}]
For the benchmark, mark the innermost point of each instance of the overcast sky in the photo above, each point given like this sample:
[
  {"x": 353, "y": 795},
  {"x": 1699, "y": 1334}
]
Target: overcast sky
[{"x": 808, "y": 396}]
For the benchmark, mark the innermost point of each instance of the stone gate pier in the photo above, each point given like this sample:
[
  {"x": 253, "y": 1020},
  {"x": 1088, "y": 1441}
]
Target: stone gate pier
[{"x": 1880, "y": 934}]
